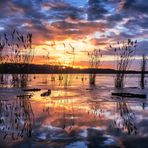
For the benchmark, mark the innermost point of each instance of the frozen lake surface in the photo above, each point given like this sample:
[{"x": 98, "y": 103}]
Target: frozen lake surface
[{"x": 75, "y": 115}]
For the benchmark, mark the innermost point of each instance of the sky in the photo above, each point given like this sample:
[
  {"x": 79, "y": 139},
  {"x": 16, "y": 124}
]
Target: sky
[{"x": 61, "y": 26}]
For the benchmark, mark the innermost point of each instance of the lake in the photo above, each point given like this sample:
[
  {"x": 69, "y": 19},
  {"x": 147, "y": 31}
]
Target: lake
[{"x": 74, "y": 115}]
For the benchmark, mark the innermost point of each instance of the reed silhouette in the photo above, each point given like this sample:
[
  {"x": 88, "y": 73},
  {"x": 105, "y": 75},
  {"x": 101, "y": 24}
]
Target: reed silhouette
[
  {"x": 123, "y": 53},
  {"x": 125, "y": 120},
  {"x": 16, "y": 118},
  {"x": 94, "y": 62},
  {"x": 2, "y": 45},
  {"x": 16, "y": 47},
  {"x": 143, "y": 69},
  {"x": 69, "y": 61}
]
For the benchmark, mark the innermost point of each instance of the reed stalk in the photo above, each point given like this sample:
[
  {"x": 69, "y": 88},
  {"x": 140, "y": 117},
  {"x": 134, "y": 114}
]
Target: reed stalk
[{"x": 143, "y": 69}]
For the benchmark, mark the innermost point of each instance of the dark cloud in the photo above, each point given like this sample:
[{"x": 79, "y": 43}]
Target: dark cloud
[
  {"x": 139, "y": 6},
  {"x": 134, "y": 11},
  {"x": 141, "y": 21},
  {"x": 3, "y": 3},
  {"x": 96, "y": 10},
  {"x": 62, "y": 10},
  {"x": 116, "y": 17}
]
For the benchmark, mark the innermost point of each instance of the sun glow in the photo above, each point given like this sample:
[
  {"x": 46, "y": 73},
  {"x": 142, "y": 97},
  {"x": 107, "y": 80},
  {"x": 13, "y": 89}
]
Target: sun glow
[{"x": 66, "y": 52}]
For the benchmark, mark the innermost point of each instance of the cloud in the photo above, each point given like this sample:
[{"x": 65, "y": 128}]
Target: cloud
[
  {"x": 139, "y": 6},
  {"x": 62, "y": 19},
  {"x": 96, "y": 10},
  {"x": 141, "y": 21},
  {"x": 142, "y": 48},
  {"x": 61, "y": 10},
  {"x": 76, "y": 30},
  {"x": 35, "y": 16},
  {"x": 101, "y": 42}
]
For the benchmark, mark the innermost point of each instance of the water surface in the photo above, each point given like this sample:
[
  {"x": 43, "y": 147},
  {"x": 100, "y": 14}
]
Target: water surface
[{"x": 74, "y": 115}]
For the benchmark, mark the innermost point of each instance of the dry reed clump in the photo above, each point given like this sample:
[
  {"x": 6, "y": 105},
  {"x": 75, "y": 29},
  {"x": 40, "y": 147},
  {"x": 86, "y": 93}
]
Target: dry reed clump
[
  {"x": 124, "y": 54},
  {"x": 94, "y": 62},
  {"x": 16, "y": 48},
  {"x": 69, "y": 61},
  {"x": 2, "y": 45}
]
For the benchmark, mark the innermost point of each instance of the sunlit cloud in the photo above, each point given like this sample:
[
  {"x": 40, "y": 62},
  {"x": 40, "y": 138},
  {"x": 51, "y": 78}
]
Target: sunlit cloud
[{"x": 83, "y": 24}]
